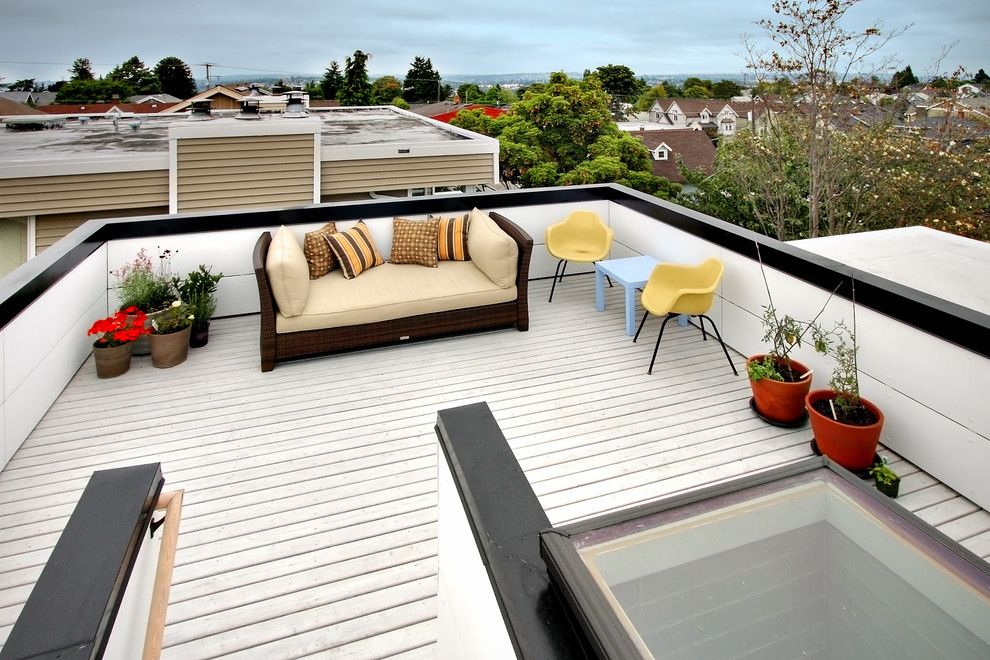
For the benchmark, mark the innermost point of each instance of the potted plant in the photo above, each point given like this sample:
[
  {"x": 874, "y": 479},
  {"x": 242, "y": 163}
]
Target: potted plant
[
  {"x": 199, "y": 289},
  {"x": 112, "y": 351},
  {"x": 149, "y": 289},
  {"x": 170, "y": 335},
  {"x": 886, "y": 480},
  {"x": 779, "y": 382},
  {"x": 846, "y": 426}
]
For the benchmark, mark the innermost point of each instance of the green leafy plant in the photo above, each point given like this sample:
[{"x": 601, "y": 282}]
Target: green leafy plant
[
  {"x": 883, "y": 474},
  {"x": 198, "y": 290},
  {"x": 145, "y": 286},
  {"x": 845, "y": 375},
  {"x": 175, "y": 318}
]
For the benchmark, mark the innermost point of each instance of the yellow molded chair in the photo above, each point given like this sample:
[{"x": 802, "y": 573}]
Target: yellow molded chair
[
  {"x": 673, "y": 290},
  {"x": 581, "y": 237}
]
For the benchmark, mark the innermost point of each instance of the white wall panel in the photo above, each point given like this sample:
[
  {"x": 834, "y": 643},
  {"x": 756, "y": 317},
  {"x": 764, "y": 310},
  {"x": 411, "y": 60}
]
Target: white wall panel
[
  {"x": 45, "y": 323},
  {"x": 661, "y": 241},
  {"x": 31, "y": 398}
]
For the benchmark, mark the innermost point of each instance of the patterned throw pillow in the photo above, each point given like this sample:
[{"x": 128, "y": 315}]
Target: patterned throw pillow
[
  {"x": 355, "y": 250},
  {"x": 415, "y": 241},
  {"x": 452, "y": 242},
  {"x": 317, "y": 251}
]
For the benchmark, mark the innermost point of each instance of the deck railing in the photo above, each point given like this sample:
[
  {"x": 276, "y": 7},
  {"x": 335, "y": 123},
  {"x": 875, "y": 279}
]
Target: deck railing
[{"x": 914, "y": 346}]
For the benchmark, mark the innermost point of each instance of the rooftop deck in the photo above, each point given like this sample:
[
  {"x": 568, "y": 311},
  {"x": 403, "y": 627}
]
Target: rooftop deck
[{"x": 310, "y": 511}]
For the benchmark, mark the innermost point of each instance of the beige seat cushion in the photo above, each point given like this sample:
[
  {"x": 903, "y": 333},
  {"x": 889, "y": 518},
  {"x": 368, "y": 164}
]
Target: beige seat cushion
[
  {"x": 288, "y": 272},
  {"x": 394, "y": 291},
  {"x": 492, "y": 250}
]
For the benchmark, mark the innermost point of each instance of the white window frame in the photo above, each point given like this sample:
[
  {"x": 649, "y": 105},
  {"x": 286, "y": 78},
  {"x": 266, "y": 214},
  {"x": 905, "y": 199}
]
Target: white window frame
[{"x": 662, "y": 152}]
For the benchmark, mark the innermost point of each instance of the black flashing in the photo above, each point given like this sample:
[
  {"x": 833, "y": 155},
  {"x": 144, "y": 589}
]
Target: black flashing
[
  {"x": 507, "y": 518},
  {"x": 72, "y": 608}
]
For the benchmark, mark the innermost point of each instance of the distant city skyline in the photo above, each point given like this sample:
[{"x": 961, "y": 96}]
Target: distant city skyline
[{"x": 291, "y": 36}]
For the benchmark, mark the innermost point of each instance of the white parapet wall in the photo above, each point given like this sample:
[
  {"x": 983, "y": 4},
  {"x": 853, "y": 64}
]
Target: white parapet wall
[{"x": 932, "y": 392}]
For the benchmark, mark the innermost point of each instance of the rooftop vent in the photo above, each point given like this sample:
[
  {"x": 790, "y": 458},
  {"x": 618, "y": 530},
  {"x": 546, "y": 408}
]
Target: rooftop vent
[
  {"x": 201, "y": 110},
  {"x": 255, "y": 90},
  {"x": 84, "y": 120},
  {"x": 249, "y": 109},
  {"x": 294, "y": 107}
]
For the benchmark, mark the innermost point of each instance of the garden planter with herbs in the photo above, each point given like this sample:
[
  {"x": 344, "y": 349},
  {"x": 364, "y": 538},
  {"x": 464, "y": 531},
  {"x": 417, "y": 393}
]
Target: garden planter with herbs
[
  {"x": 851, "y": 441},
  {"x": 886, "y": 480},
  {"x": 198, "y": 290},
  {"x": 780, "y": 401}
]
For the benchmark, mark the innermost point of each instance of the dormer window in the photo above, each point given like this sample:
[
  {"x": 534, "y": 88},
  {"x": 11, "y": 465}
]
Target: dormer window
[
  {"x": 705, "y": 115},
  {"x": 661, "y": 152}
]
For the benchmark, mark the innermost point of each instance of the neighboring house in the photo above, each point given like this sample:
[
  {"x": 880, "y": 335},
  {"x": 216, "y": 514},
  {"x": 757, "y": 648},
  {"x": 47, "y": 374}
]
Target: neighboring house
[
  {"x": 494, "y": 113},
  {"x": 161, "y": 98},
  {"x": 52, "y": 181},
  {"x": 10, "y": 108},
  {"x": 324, "y": 103},
  {"x": 969, "y": 89},
  {"x": 667, "y": 147},
  {"x": 107, "y": 109},
  {"x": 24, "y": 98},
  {"x": 223, "y": 98},
  {"x": 44, "y": 98},
  {"x": 713, "y": 114}
]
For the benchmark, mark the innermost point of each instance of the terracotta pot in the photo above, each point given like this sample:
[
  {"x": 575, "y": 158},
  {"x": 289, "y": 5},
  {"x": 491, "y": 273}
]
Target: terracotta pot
[
  {"x": 112, "y": 361},
  {"x": 142, "y": 345},
  {"x": 779, "y": 400},
  {"x": 171, "y": 349},
  {"x": 852, "y": 447},
  {"x": 200, "y": 336}
]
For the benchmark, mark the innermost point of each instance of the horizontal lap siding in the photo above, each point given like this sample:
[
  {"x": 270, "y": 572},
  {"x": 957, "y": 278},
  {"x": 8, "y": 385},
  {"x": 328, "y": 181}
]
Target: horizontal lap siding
[
  {"x": 350, "y": 176},
  {"x": 51, "y": 228},
  {"x": 240, "y": 172},
  {"x": 83, "y": 192}
]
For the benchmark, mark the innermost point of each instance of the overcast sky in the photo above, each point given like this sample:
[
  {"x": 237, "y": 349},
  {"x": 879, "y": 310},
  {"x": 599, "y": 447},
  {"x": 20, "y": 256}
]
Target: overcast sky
[{"x": 505, "y": 36}]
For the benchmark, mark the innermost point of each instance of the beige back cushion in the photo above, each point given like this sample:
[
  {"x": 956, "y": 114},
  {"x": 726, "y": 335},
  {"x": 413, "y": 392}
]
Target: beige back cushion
[
  {"x": 288, "y": 272},
  {"x": 492, "y": 250}
]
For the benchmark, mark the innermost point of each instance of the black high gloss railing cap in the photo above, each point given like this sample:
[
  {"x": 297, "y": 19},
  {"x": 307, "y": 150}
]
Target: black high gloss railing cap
[
  {"x": 507, "y": 518},
  {"x": 72, "y": 607}
]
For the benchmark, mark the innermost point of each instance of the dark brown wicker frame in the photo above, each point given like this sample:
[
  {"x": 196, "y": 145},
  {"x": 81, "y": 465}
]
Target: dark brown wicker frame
[{"x": 277, "y": 347}]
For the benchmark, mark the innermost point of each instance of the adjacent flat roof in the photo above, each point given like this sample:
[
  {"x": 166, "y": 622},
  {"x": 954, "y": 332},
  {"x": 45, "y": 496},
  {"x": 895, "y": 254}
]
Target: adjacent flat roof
[
  {"x": 924, "y": 259},
  {"x": 99, "y": 138}
]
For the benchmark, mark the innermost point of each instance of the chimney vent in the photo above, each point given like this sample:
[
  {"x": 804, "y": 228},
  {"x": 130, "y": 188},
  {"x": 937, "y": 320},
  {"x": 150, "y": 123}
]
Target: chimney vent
[
  {"x": 249, "y": 109},
  {"x": 294, "y": 107},
  {"x": 201, "y": 110}
]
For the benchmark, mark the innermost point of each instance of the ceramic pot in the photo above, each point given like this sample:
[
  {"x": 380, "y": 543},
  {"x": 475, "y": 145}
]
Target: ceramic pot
[
  {"x": 200, "y": 336},
  {"x": 112, "y": 361},
  {"x": 142, "y": 345},
  {"x": 852, "y": 447},
  {"x": 171, "y": 349},
  {"x": 778, "y": 400}
]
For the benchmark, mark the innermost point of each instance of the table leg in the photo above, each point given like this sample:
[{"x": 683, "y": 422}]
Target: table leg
[
  {"x": 599, "y": 290},
  {"x": 630, "y": 310}
]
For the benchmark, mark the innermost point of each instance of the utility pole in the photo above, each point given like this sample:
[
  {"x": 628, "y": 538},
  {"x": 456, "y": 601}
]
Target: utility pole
[{"x": 207, "y": 65}]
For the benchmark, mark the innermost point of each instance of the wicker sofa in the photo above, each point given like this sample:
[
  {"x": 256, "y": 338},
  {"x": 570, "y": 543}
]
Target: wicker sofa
[{"x": 340, "y": 315}]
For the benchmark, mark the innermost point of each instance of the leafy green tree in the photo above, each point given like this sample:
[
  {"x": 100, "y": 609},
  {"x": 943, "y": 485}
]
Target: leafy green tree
[
  {"x": 477, "y": 121},
  {"x": 647, "y": 98},
  {"x": 496, "y": 95},
  {"x": 25, "y": 85},
  {"x": 175, "y": 77},
  {"x": 620, "y": 83},
  {"x": 93, "y": 91},
  {"x": 399, "y": 102},
  {"x": 386, "y": 88},
  {"x": 725, "y": 89},
  {"x": 903, "y": 78},
  {"x": 698, "y": 82},
  {"x": 697, "y": 92},
  {"x": 332, "y": 81},
  {"x": 314, "y": 90},
  {"x": 469, "y": 93},
  {"x": 82, "y": 69},
  {"x": 674, "y": 90},
  {"x": 134, "y": 73},
  {"x": 422, "y": 83},
  {"x": 981, "y": 77},
  {"x": 355, "y": 89}
]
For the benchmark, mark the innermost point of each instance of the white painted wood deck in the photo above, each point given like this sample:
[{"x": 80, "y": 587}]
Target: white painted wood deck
[{"x": 309, "y": 525}]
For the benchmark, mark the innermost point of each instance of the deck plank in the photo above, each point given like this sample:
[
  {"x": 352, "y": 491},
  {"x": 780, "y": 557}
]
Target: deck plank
[{"x": 309, "y": 522}]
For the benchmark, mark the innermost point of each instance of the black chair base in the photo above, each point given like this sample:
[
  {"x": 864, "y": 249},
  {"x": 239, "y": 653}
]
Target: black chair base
[
  {"x": 701, "y": 322},
  {"x": 558, "y": 276}
]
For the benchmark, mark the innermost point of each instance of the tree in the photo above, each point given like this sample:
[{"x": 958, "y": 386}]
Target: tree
[
  {"x": 697, "y": 92},
  {"x": 386, "y": 88},
  {"x": 649, "y": 97},
  {"x": 82, "y": 69},
  {"x": 698, "y": 82},
  {"x": 93, "y": 91},
  {"x": 621, "y": 84},
  {"x": 136, "y": 75},
  {"x": 815, "y": 53},
  {"x": 399, "y": 102},
  {"x": 314, "y": 90},
  {"x": 496, "y": 95},
  {"x": 469, "y": 93},
  {"x": 903, "y": 78},
  {"x": 355, "y": 88},
  {"x": 726, "y": 89},
  {"x": 25, "y": 85},
  {"x": 422, "y": 83},
  {"x": 332, "y": 80},
  {"x": 981, "y": 77},
  {"x": 175, "y": 77}
]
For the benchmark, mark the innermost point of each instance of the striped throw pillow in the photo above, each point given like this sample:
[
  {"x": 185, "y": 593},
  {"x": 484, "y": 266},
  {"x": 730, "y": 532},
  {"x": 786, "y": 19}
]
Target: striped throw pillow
[
  {"x": 355, "y": 250},
  {"x": 452, "y": 242},
  {"x": 414, "y": 242},
  {"x": 317, "y": 250}
]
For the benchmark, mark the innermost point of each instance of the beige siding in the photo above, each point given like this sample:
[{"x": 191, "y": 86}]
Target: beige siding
[
  {"x": 351, "y": 176},
  {"x": 83, "y": 192},
  {"x": 241, "y": 172},
  {"x": 51, "y": 228}
]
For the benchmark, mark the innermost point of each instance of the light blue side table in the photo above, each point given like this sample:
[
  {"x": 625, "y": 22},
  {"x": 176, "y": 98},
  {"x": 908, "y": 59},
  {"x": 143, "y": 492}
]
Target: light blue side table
[{"x": 630, "y": 272}]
